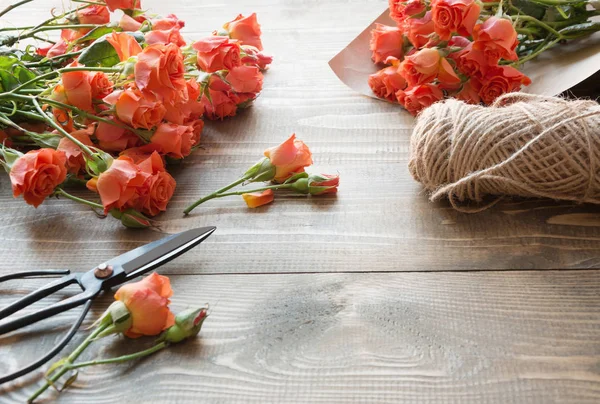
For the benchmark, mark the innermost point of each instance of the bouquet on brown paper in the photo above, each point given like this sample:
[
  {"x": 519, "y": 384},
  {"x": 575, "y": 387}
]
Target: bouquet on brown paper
[{"x": 419, "y": 51}]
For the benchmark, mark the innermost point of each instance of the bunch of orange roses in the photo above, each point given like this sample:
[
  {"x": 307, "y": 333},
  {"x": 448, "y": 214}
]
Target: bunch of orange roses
[
  {"x": 468, "y": 49},
  {"x": 110, "y": 104}
]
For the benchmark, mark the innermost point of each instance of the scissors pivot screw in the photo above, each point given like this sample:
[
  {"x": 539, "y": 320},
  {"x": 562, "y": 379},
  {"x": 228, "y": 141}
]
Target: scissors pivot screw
[{"x": 103, "y": 271}]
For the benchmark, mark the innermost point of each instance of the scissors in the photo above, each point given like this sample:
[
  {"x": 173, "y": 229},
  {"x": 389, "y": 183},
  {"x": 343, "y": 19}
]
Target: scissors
[{"x": 106, "y": 275}]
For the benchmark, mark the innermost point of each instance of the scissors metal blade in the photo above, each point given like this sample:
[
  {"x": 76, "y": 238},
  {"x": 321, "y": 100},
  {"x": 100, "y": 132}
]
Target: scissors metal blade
[{"x": 147, "y": 257}]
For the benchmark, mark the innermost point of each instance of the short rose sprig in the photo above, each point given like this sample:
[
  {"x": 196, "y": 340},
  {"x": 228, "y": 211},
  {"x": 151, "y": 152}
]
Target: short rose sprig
[
  {"x": 141, "y": 308},
  {"x": 284, "y": 166}
]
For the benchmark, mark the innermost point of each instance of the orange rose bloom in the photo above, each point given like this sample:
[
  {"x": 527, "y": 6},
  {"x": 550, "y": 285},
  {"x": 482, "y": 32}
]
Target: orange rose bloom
[
  {"x": 497, "y": 39},
  {"x": 401, "y": 10},
  {"x": 160, "y": 69},
  {"x": 128, "y": 24},
  {"x": 256, "y": 199},
  {"x": 454, "y": 16},
  {"x": 158, "y": 189},
  {"x": 500, "y": 80},
  {"x": 386, "y": 82},
  {"x": 470, "y": 61},
  {"x": 118, "y": 186},
  {"x": 115, "y": 139},
  {"x": 137, "y": 109},
  {"x": 123, "y": 4},
  {"x": 223, "y": 101},
  {"x": 77, "y": 88},
  {"x": 447, "y": 78},
  {"x": 419, "y": 97},
  {"x": 253, "y": 56},
  {"x": 165, "y": 37},
  {"x": 289, "y": 158},
  {"x": 93, "y": 14},
  {"x": 385, "y": 42},
  {"x": 469, "y": 92},
  {"x": 217, "y": 53},
  {"x": 245, "y": 79},
  {"x": 421, "y": 67},
  {"x": 148, "y": 302},
  {"x": 246, "y": 30},
  {"x": 36, "y": 174},
  {"x": 73, "y": 154},
  {"x": 168, "y": 22},
  {"x": 174, "y": 140},
  {"x": 139, "y": 154},
  {"x": 419, "y": 30},
  {"x": 125, "y": 45},
  {"x": 100, "y": 84}
]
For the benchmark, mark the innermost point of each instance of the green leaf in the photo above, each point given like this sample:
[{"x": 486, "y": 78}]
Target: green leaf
[
  {"x": 70, "y": 381},
  {"x": 7, "y": 80},
  {"x": 98, "y": 32},
  {"x": 530, "y": 8},
  {"x": 6, "y": 61},
  {"x": 24, "y": 75}
]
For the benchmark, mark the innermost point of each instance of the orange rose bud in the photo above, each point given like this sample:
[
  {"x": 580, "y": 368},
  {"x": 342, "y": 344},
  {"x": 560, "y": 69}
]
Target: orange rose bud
[
  {"x": 289, "y": 158},
  {"x": 37, "y": 173},
  {"x": 74, "y": 155},
  {"x": 94, "y": 14},
  {"x": 256, "y": 199},
  {"x": 123, "y": 4},
  {"x": 385, "y": 42},
  {"x": 147, "y": 300},
  {"x": 319, "y": 184},
  {"x": 401, "y": 10},
  {"x": 497, "y": 39},
  {"x": 125, "y": 45},
  {"x": 132, "y": 219},
  {"x": 245, "y": 29},
  {"x": 187, "y": 324},
  {"x": 252, "y": 56}
]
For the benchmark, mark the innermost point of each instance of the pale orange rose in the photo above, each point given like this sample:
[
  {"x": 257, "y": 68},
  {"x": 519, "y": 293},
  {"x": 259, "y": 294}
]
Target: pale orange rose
[
  {"x": 165, "y": 37},
  {"x": 454, "y": 17},
  {"x": 419, "y": 97},
  {"x": 173, "y": 140},
  {"x": 115, "y": 139},
  {"x": 497, "y": 39},
  {"x": 125, "y": 45},
  {"x": 386, "y": 82},
  {"x": 93, "y": 14},
  {"x": 148, "y": 302},
  {"x": 159, "y": 187},
  {"x": 137, "y": 109},
  {"x": 252, "y": 56},
  {"x": 256, "y": 199},
  {"x": 119, "y": 185},
  {"x": 128, "y": 24},
  {"x": 37, "y": 173},
  {"x": 447, "y": 78},
  {"x": 217, "y": 53},
  {"x": 421, "y": 67},
  {"x": 123, "y": 4},
  {"x": 160, "y": 69},
  {"x": 385, "y": 42},
  {"x": 246, "y": 30},
  {"x": 419, "y": 31},
  {"x": 245, "y": 79},
  {"x": 289, "y": 158},
  {"x": 73, "y": 154},
  {"x": 168, "y": 22},
  {"x": 401, "y": 10}
]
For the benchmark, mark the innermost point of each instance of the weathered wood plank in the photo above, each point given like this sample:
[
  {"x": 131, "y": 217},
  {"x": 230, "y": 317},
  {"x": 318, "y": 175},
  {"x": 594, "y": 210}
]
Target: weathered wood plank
[
  {"x": 495, "y": 337},
  {"x": 380, "y": 221}
]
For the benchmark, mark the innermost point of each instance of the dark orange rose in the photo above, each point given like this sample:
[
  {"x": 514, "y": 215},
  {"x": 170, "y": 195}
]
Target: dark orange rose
[
  {"x": 385, "y": 42},
  {"x": 137, "y": 109},
  {"x": 419, "y": 97},
  {"x": 217, "y": 53},
  {"x": 37, "y": 173},
  {"x": 148, "y": 302},
  {"x": 454, "y": 17},
  {"x": 500, "y": 80},
  {"x": 497, "y": 39},
  {"x": 158, "y": 189},
  {"x": 245, "y": 29}
]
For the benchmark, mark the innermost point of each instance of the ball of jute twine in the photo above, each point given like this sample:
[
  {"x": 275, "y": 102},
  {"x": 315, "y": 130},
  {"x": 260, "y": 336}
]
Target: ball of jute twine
[{"x": 522, "y": 145}]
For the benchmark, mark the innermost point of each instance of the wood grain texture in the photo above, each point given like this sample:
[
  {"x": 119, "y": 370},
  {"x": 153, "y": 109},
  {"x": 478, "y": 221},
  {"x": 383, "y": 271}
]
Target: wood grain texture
[
  {"x": 495, "y": 337},
  {"x": 381, "y": 220}
]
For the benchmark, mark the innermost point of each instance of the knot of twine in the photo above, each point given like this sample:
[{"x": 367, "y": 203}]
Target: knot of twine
[{"x": 522, "y": 145}]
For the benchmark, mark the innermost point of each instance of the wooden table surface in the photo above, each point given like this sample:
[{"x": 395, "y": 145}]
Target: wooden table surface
[{"x": 374, "y": 296}]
